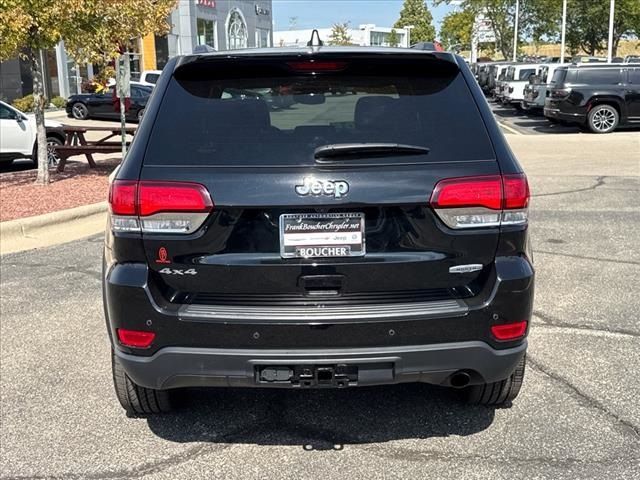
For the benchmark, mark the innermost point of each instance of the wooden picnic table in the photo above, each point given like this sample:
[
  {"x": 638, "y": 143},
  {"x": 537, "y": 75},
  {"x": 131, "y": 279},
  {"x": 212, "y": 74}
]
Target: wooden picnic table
[{"x": 75, "y": 143}]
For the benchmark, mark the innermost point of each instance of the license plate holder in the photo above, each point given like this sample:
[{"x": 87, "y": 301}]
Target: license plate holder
[{"x": 322, "y": 235}]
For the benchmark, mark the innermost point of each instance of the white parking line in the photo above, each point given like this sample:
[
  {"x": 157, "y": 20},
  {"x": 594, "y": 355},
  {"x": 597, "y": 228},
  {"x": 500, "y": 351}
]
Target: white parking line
[{"x": 510, "y": 129}]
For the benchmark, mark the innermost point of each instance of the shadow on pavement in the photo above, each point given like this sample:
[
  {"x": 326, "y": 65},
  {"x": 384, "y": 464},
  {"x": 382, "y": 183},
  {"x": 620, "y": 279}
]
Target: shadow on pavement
[
  {"x": 18, "y": 165},
  {"x": 320, "y": 419}
]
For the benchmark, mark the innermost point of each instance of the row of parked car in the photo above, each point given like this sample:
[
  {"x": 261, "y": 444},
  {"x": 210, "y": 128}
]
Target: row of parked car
[{"x": 598, "y": 97}]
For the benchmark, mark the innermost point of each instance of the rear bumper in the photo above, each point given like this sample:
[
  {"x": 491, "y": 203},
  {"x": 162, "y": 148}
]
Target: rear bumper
[
  {"x": 174, "y": 367},
  {"x": 532, "y": 104},
  {"x": 419, "y": 342},
  {"x": 566, "y": 117}
]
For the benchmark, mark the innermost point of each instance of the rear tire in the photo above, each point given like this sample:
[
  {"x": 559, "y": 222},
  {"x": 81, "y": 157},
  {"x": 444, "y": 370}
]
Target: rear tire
[
  {"x": 603, "y": 119},
  {"x": 137, "y": 400},
  {"x": 498, "y": 394}
]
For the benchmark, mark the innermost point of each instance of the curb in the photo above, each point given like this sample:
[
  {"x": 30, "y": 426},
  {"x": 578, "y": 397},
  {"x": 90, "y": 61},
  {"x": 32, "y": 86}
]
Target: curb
[{"x": 16, "y": 234}]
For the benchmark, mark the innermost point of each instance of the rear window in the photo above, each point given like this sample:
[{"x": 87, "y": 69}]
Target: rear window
[
  {"x": 152, "y": 77},
  {"x": 511, "y": 72},
  {"x": 600, "y": 76},
  {"x": 558, "y": 77},
  {"x": 281, "y": 120},
  {"x": 525, "y": 73}
]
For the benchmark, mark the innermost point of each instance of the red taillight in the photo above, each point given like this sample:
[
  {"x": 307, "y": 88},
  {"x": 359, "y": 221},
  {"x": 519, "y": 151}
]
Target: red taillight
[
  {"x": 156, "y": 197},
  {"x": 468, "y": 192},
  {"x": 509, "y": 331},
  {"x": 158, "y": 207},
  {"x": 313, "y": 66},
  {"x": 516, "y": 191},
  {"x": 122, "y": 197},
  {"x": 135, "y": 338},
  {"x": 486, "y": 201},
  {"x": 559, "y": 93}
]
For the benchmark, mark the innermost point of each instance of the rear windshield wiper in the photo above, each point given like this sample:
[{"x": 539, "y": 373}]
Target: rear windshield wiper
[{"x": 360, "y": 150}]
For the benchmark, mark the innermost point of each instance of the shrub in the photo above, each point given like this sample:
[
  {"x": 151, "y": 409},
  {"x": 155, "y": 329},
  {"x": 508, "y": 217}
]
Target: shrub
[
  {"x": 24, "y": 104},
  {"x": 59, "y": 102}
]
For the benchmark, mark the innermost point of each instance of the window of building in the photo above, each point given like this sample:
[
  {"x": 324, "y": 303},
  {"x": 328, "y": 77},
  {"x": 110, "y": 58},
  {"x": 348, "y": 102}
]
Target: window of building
[
  {"x": 206, "y": 32},
  {"x": 262, "y": 38},
  {"x": 236, "y": 30},
  {"x": 384, "y": 39},
  {"x": 162, "y": 51}
]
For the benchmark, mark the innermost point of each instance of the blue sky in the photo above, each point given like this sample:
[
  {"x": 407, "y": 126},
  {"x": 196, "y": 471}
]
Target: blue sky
[{"x": 324, "y": 13}]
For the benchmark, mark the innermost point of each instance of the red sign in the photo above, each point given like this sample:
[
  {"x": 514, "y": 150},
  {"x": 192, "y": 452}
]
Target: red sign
[{"x": 207, "y": 3}]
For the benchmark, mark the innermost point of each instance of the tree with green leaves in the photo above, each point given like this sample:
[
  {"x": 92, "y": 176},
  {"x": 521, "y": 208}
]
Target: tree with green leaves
[
  {"x": 588, "y": 24},
  {"x": 457, "y": 28},
  {"x": 416, "y": 13},
  {"x": 93, "y": 31},
  {"x": 587, "y": 21},
  {"x": 537, "y": 18},
  {"x": 394, "y": 38},
  {"x": 340, "y": 34}
]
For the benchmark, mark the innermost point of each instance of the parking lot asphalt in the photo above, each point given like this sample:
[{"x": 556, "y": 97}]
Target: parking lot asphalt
[{"x": 577, "y": 415}]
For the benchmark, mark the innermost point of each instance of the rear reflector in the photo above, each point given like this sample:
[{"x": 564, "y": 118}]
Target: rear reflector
[
  {"x": 509, "y": 331},
  {"x": 486, "y": 201},
  {"x": 135, "y": 338},
  {"x": 158, "y": 207}
]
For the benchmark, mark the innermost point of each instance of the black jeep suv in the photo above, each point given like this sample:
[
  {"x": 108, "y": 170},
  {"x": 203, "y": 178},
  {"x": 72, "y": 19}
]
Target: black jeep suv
[
  {"x": 599, "y": 97},
  {"x": 374, "y": 237}
]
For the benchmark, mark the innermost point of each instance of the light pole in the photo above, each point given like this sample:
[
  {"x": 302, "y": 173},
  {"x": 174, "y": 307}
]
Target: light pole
[
  {"x": 408, "y": 28},
  {"x": 612, "y": 10},
  {"x": 564, "y": 30},
  {"x": 515, "y": 31}
]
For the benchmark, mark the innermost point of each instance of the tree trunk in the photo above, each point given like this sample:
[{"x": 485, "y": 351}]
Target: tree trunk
[{"x": 39, "y": 104}]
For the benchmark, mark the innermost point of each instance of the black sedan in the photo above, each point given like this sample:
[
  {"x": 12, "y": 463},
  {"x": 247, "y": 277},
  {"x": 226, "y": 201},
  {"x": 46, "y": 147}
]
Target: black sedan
[{"x": 106, "y": 105}]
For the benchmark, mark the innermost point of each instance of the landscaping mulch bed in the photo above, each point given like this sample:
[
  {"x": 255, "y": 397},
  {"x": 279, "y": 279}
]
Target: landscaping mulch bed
[{"x": 78, "y": 185}]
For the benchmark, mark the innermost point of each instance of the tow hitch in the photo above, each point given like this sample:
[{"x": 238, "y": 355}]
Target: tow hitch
[{"x": 306, "y": 376}]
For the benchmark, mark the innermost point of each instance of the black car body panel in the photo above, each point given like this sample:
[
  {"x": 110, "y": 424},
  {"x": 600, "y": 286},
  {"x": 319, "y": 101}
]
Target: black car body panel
[
  {"x": 222, "y": 300},
  {"x": 105, "y": 105}
]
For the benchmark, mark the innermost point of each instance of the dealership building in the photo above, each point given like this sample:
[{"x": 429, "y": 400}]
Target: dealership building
[
  {"x": 220, "y": 24},
  {"x": 366, "y": 35}
]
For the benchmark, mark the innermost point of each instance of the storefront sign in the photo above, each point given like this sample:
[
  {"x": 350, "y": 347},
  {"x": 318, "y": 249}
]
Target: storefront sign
[
  {"x": 207, "y": 3},
  {"x": 262, "y": 11}
]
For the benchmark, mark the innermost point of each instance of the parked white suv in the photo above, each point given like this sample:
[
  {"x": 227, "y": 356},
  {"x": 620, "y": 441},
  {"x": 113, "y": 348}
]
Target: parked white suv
[
  {"x": 18, "y": 139},
  {"x": 515, "y": 80},
  {"x": 150, "y": 77}
]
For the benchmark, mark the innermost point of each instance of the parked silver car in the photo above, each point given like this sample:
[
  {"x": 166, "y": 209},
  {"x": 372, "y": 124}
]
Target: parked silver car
[{"x": 536, "y": 91}]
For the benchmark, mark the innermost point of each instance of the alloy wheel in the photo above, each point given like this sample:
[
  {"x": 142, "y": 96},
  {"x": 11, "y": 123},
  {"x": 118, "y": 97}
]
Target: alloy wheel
[
  {"x": 79, "y": 111},
  {"x": 604, "y": 119},
  {"x": 52, "y": 156}
]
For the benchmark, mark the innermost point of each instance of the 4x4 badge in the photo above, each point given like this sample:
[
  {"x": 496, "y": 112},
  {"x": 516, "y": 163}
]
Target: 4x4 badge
[{"x": 315, "y": 187}]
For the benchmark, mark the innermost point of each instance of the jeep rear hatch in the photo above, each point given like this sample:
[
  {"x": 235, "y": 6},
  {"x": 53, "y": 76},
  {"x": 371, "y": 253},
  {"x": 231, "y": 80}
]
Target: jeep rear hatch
[{"x": 287, "y": 224}]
